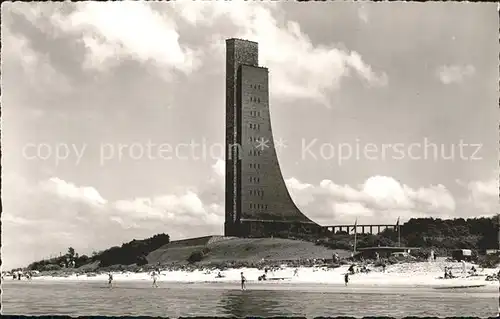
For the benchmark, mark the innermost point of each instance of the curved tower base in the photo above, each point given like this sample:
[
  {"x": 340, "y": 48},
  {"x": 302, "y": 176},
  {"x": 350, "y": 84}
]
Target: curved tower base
[{"x": 258, "y": 203}]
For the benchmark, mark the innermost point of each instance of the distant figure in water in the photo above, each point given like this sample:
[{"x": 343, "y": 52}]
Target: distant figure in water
[
  {"x": 110, "y": 280},
  {"x": 243, "y": 280},
  {"x": 346, "y": 278},
  {"x": 296, "y": 272},
  {"x": 155, "y": 278}
]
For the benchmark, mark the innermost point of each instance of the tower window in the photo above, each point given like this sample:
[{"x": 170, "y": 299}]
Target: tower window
[{"x": 253, "y": 179}]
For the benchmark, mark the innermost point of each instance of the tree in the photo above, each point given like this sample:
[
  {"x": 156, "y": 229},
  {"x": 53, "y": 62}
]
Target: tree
[{"x": 71, "y": 252}]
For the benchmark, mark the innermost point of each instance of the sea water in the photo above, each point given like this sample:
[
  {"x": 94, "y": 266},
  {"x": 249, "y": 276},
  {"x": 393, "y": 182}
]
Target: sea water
[{"x": 226, "y": 299}]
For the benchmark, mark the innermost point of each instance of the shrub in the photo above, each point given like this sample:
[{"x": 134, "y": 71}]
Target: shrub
[
  {"x": 489, "y": 261},
  {"x": 394, "y": 260},
  {"x": 421, "y": 254},
  {"x": 196, "y": 256},
  {"x": 50, "y": 267},
  {"x": 338, "y": 244},
  {"x": 141, "y": 261}
]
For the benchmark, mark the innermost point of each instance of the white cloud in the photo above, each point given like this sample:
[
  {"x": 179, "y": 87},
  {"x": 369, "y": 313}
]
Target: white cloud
[
  {"x": 483, "y": 195},
  {"x": 59, "y": 209},
  {"x": 79, "y": 214},
  {"x": 380, "y": 199},
  {"x": 316, "y": 70},
  {"x": 352, "y": 210},
  {"x": 299, "y": 191},
  {"x": 35, "y": 67},
  {"x": 449, "y": 74},
  {"x": 111, "y": 31},
  {"x": 219, "y": 167},
  {"x": 69, "y": 190}
]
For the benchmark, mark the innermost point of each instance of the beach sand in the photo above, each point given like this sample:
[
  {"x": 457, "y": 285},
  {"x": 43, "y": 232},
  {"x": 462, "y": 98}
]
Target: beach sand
[{"x": 423, "y": 274}]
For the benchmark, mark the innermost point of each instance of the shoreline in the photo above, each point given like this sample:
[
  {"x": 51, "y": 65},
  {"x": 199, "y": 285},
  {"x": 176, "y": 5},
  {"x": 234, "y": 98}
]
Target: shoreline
[{"x": 424, "y": 274}]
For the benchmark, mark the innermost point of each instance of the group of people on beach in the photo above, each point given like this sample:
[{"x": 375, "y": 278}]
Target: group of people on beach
[
  {"x": 19, "y": 275},
  {"x": 154, "y": 276}
]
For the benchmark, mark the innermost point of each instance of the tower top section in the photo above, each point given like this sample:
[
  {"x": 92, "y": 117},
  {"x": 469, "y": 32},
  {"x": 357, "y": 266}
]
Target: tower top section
[
  {"x": 239, "y": 52},
  {"x": 242, "y": 40}
]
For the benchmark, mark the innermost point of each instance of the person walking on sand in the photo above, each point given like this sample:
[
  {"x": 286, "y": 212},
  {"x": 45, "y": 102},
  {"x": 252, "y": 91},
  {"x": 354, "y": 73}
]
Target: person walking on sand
[
  {"x": 296, "y": 272},
  {"x": 346, "y": 278},
  {"x": 243, "y": 282},
  {"x": 155, "y": 278},
  {"x": 110, "y": 280}
]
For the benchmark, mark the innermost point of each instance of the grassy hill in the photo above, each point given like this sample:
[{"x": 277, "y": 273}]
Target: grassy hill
[{"x": 240, "y": 249}]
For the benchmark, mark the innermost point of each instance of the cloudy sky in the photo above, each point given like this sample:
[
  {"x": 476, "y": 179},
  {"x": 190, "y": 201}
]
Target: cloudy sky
[{"x": 372, "y": 101}]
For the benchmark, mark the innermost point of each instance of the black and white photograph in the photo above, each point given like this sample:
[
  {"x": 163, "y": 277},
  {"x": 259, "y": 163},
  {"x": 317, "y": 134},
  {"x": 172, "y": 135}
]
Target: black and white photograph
[{"x": 250, "y": 159}]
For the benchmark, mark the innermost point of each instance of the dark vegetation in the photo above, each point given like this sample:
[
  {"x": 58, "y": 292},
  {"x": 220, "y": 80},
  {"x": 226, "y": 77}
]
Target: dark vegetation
[
  {"x": 477, "y": 234},
  {"x": 198, "y": 255},
  {"x": 489, "y": 261},
  {"x": 133, "y": 252},
  {"x": 442, "y": 236}
]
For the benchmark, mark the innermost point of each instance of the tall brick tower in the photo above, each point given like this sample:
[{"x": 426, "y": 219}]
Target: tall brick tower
[{"x": 257, "y": 201}]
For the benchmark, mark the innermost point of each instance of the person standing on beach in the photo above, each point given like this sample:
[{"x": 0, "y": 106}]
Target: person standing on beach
[
  {"x": 155, "y": 278},
  {"x": 110, "y": 280},
  {"x": 243, "y": 280},
  {"x": 346, "y": 278}
]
